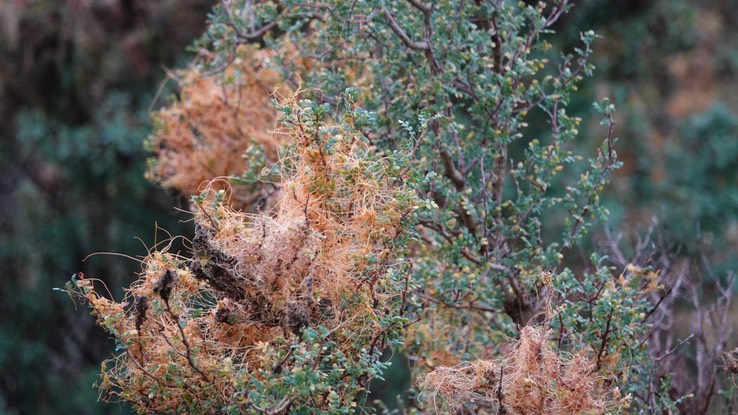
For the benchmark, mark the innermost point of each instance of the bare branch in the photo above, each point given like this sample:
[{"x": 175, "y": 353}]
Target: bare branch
[
  {"x": 451, "y": 171},
  {"x": 281, "y": 408},
  {"x": 420, "y": 6},
  {"x": 674, "y": 349},
  {"x": 608, "y": 330},
  {"x": 256, "y": 34},
  {"x": 401, "y": 33},
  {"x": 186, "y": 344}
]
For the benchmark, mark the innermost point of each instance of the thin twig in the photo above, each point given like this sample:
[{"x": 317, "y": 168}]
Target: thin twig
[
  {"x": 658, "y": 303},
  {"x": 188, "y": 351},
  {"x": 280, "y": 408},
  {"x": 145, "y": 372},
  {"x": 254, "y": 34},
  {"x": 412, "y": 44},
  {"x": 501, "y": 408},
  {"x": 608, "y": 330},
  {"x": 420, "y": 6},
  {"x": 674, "y": 349}
]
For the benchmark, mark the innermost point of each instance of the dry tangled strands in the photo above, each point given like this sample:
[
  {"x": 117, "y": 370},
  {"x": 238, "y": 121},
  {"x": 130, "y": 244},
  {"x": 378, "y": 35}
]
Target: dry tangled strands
[
  {"x": 198, "y": 330},
  {"x": 533, "y": 379},
  {"x": 216, "y": 120}
]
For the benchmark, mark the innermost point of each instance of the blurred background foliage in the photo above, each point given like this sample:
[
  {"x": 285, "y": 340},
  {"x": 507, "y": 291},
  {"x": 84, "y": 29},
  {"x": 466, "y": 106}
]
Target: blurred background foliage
[
  {"x": 670, "y": 68},
  {"x": 79, "y": 77}
]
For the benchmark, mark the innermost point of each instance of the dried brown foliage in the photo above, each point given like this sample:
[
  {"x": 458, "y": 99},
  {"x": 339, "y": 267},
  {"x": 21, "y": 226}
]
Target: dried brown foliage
[
  {"x": 194, "y": 329},
  {"x": 217, "y": 118},
  {"x": 532, "y": 379}
]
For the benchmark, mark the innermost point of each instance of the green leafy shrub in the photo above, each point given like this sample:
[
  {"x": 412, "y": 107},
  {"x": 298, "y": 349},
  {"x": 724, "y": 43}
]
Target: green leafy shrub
[{"x": 430, "y": 200}]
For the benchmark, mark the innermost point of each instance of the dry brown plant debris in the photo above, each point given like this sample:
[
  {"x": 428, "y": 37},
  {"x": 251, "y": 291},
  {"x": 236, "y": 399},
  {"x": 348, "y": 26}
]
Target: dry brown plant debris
[
  {"x": 532, "y": 379},
  {"x": 216, "y": 119},
  {"x": 194, "y": 328}
]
